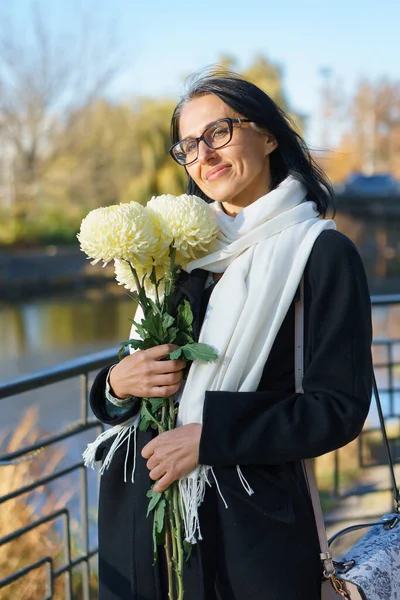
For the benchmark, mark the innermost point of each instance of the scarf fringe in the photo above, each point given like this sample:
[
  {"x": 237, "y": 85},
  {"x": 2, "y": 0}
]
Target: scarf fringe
[
  {"x": 219, "y": 489},
  {"x": 191, "y": 491},
  {"x": 244, "y": 481},
  {"x": 122, "y": 434}
]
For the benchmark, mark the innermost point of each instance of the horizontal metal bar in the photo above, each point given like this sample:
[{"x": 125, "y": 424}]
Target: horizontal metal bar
[
  {"x": 75, "y": 562},
  {"x": 7, "y": 459},
  {"x": 329, "y": 521},
  {"x": 40, "y": 482},
  {"x": 60, "y": 372},
  {"x": 25, "y": 570},
  {"x": 382, "y": 300},
  {"x": 92, "y": 362},
  {"x": 22, "y": 530},
  {"x": 364, "y": 493}
]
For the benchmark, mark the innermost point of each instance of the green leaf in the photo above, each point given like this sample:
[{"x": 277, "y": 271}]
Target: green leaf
[
  {"x": 139, "y": 328},
  {"x": 145, "y": 419},
  {"x": 153, "y": 276},
  {"x": 196, "y": 351},
  {"x": 183, "y": 338},
  {"x": 121, "y": 352},
  {"x": 175, "y": 354},
  {"x": 187, "y": 548},
  {"x": 148, "y": 343},
  {"x": 159, "y": 514},
  {"x": 167, "y": 321},
  {"x": 148, "y": 418},
  {"x": 142, "y": 295},
  {"x": 154, "y": 326},
  {"x": 134, "y": 343},
  {"x": 172, "y": 333},
  {"x": 145, "y": 423},
  {"x": 185, "y": 316},
  {"x": 156, "y": 403},
  {"x": 155, "y": 498},
  {"x": 154, "y": 306}
]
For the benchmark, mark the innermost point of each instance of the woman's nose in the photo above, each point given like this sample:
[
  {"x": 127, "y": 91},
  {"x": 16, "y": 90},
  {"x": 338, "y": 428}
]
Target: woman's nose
[{"x": 205, "y": 152}]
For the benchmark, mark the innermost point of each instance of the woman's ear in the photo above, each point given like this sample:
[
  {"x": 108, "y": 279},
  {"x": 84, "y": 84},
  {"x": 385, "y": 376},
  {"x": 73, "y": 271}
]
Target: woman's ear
[{"x": 270, "y": 143}]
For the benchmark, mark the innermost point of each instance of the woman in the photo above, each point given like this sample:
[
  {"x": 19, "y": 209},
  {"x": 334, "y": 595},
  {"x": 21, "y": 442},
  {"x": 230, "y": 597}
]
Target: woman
[{"x": 243, "y": 419}]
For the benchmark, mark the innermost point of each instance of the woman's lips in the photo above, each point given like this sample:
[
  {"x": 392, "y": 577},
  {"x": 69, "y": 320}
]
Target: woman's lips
[{"x": 217, "y": 172}]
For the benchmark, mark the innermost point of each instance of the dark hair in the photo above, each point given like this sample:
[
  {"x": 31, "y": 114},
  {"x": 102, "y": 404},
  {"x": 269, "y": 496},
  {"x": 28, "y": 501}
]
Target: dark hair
[{"x": 291, "y": 156}]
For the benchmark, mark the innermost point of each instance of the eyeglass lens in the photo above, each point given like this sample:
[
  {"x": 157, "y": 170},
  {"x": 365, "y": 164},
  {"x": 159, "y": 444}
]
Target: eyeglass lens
[{"x": 216, "y": 135}]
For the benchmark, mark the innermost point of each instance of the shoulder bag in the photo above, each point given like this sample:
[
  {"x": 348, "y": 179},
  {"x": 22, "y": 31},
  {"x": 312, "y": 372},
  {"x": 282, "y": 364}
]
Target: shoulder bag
[{"x": 370, "y": 570}]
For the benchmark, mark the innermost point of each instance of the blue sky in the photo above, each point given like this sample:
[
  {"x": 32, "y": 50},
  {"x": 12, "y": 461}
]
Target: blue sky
[{"x": 164, "y": 40}]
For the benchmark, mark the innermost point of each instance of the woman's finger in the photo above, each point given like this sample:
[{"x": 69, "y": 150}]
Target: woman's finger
[
  {"x": 148, "y": 449},
  {"x": 159, "y": 352},
  {"x": 163, "y": 483},
  {"x": 167, "y": 366},
  {"x": 166, "y": 379},
  {"x": 164, "y": 391},
  {"x": 157, "y": 473},
  {"x": 153, "y": 462}
]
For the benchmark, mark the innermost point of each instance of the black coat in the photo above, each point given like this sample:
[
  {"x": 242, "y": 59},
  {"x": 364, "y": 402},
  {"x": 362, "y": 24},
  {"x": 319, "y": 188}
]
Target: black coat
[{"x": 264, "y": 545}]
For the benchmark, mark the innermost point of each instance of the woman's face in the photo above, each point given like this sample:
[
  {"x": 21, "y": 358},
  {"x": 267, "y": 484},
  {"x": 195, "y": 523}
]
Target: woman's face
[{"x": 237, "y": 174}]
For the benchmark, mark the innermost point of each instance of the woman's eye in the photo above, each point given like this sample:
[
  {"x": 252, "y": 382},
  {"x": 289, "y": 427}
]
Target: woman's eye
[
  {"x": 220, "y": 132},
  {"x": 190, "y": 146}
]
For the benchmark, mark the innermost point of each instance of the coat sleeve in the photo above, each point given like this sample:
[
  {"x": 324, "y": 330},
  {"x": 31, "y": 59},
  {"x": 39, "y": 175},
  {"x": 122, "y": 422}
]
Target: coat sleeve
[
  {"x": 272, "y": 427},
  {"x": 103, "y": 409}
]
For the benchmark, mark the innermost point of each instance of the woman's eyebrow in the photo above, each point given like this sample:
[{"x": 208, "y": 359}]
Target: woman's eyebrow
[{"x": 204, "y": 128}]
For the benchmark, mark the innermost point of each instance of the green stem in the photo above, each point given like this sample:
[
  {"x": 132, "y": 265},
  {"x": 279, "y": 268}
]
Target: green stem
[
  {"x": 149, "y": 415},
  {"x": 170, "y": 533},
  {"x": 137, "y": 283},
  {"x": 154, "y": 278},
  {"x": 172, "y": 255},
  {"x": 170, "y": 282},
  {"x": 162, "y": 427},
  {"x": 167, "y": 547},
  {"x": 178, "y": 529},
  {"x": 177, "y": 526}
]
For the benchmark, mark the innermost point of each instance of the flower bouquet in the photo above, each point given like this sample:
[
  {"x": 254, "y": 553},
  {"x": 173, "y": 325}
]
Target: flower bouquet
[{"x": 149, "y": 246}]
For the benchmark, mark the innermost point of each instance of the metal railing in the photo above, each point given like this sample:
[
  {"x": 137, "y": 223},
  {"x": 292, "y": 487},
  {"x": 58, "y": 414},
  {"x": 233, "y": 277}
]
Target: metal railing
[
  {"x": 78, "y": 572},
  {"x": 74, "y": 565}
]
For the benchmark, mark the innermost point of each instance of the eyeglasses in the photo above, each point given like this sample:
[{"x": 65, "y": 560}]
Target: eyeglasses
[{"x": 216, "y": 135}]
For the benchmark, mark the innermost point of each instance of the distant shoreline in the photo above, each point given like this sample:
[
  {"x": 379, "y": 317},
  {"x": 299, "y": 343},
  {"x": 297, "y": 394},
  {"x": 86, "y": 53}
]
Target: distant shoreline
[{"x": 36, "y": 273}]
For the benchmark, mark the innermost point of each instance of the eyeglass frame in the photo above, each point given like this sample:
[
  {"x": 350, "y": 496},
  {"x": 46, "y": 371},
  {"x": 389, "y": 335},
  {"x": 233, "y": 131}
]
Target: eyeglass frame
[{"x": 201, "y": 138}]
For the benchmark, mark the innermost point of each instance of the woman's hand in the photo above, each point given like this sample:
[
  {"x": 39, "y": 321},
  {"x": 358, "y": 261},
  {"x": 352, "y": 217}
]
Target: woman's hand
[
  {"x": 173, "y": 454},
  {"x": 146, "y": 375}
]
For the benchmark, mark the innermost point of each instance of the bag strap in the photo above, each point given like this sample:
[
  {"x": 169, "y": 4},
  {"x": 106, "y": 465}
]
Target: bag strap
[
  {"x": 308, "y": 465},
  {"x": 396, "y": 493}
]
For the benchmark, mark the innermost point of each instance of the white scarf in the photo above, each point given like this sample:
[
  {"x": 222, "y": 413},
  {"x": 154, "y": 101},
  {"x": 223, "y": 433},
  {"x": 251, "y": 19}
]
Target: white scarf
[{"x": 262, "y": 253}]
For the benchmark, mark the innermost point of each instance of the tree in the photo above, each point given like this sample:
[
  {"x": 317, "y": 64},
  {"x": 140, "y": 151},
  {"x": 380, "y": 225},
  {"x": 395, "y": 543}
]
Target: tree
[
  {"x": 269, "y": 77},
  {"x": 370, "y": 140},
  {"x": 39, "y": 82}
]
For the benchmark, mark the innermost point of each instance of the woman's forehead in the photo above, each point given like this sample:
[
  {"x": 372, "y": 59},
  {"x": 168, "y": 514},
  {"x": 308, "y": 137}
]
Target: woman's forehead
[{"x": 200, "y": 112}]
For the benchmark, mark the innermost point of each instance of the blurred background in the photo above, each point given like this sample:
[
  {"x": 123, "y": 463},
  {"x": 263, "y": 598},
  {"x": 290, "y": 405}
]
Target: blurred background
[
  {"x": 87, "y": 89},
  {"x": 86, "y": 94}
]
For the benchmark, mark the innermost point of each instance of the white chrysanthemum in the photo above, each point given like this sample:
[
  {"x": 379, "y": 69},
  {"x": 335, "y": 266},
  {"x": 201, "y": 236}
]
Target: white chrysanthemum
[
  {"x": 124, "y": 276},
  {"x": 124, "y": 231},
  {"x": 188, "y": 220}
]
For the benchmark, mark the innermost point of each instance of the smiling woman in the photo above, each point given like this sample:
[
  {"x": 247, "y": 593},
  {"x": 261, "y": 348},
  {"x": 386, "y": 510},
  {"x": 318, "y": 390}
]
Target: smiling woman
[
  {"x": 242, "y": 428},
  {"x": 237, "y": 173}
]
